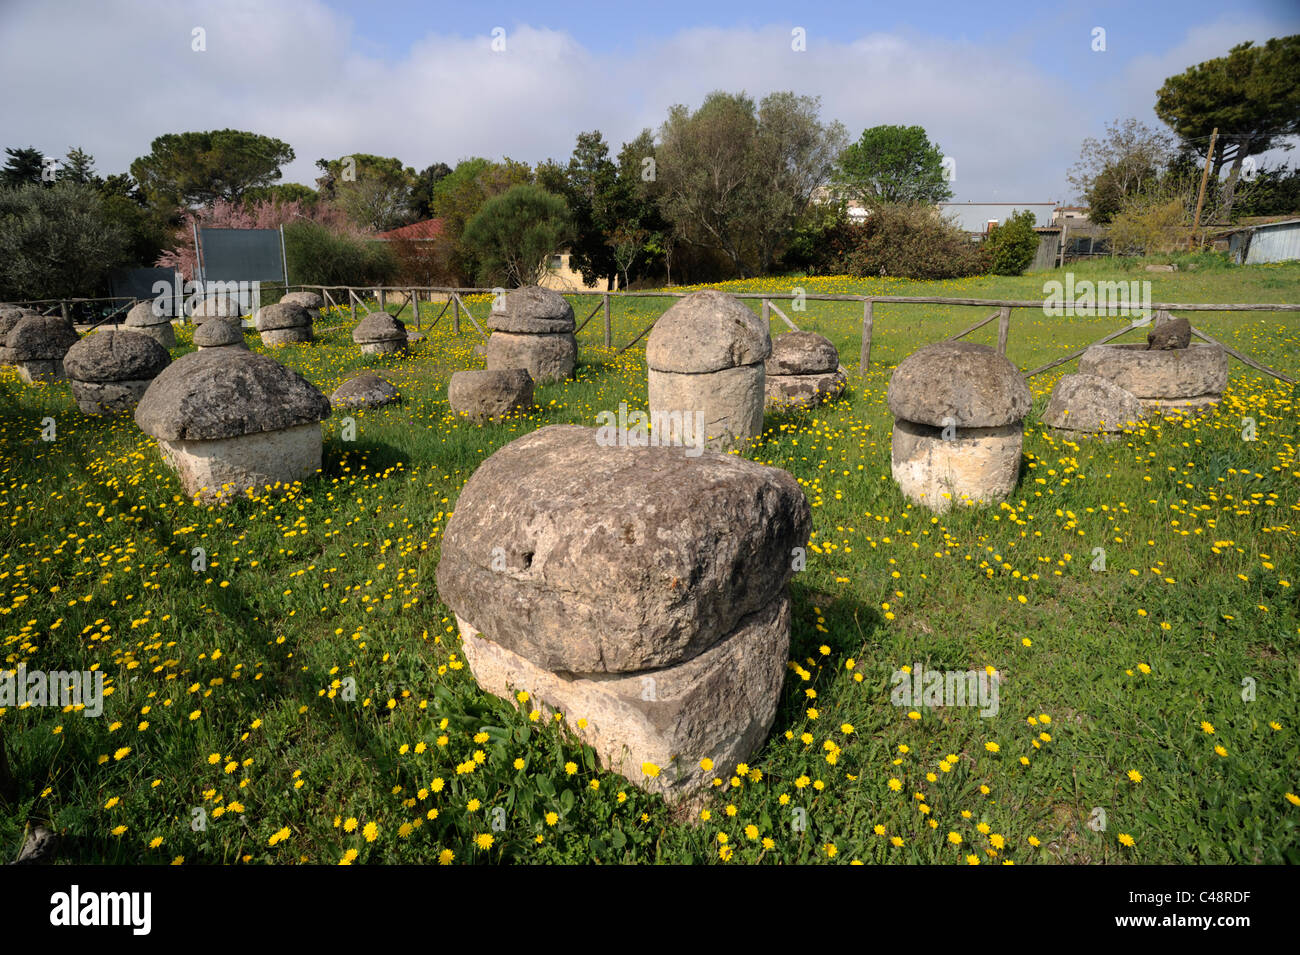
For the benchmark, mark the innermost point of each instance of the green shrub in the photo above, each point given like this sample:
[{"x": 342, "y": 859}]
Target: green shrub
[
  {"x": 1012, "y": 245},
  {"x": 57, "y": 242},
  {"x": 318, "y": 256},
  {"x": 1150, "y": 224},
  {"x": 514, "y": 234},
  {"x": 905, "y": 241}
]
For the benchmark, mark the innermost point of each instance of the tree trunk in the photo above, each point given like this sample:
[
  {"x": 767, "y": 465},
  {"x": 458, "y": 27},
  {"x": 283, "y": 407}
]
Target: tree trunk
[{"x": 1230, "y": 186}]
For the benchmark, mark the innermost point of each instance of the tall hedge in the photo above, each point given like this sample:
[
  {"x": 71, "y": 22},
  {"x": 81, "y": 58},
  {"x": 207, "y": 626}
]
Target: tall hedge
[
  {"x": 905, "y": 241},
  {"x": 1013, "y": 244},
  {"x": 317, "y": 256}
]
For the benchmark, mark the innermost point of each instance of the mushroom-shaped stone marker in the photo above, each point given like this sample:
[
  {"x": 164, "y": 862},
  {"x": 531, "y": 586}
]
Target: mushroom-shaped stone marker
[
  {"x": 109, "y": 372},
  {"x": 1086, "y": 405},
  {"x": 10, "y": 315},
  {"x": 641, "y": 591},
  {"x": 308, "y": 300},
  {"x": 533, "y": 330},
  {"x": 37, "y": 344},
  {"x": 284, "y": 323},
  {"x": 958, "y": 428},
  {"x": 706, "y": 357},
  {"x": 803, "y": 371},
  {"x": 147, "y": 318},
  {"x": 230, "y": 421},
  {"x": 380, "y": 334},
  {"x": 480, "y": 395},
  {"x": 220, "y": 333},
  {"x": 364, "y": 391},
  {"x": 218, "y": 306}
]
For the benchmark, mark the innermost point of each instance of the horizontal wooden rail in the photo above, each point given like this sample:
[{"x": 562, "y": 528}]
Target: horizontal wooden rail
[{"x": 355, "y": 295}]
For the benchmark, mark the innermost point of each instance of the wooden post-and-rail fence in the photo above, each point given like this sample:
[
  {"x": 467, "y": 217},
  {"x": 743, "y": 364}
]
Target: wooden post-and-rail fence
[
  {"x": 453, "y": 298},
  {"x": 1161, "y": 312}
]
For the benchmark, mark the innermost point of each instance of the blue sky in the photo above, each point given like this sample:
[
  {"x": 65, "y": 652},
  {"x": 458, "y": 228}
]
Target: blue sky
[{"x": 1009, "y": 90}]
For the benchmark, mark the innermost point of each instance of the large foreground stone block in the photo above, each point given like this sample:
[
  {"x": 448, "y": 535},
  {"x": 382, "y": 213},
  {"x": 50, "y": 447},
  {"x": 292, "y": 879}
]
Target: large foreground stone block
[
  {"x": 636, "y": 588},
  {"x": 592, "y": 559},
  {"x": 719, "y": 704}
]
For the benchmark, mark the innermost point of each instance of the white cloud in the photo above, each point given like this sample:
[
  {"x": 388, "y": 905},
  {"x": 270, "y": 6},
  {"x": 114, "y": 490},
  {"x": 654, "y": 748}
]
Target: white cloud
[{"x": 115, "y": 75}]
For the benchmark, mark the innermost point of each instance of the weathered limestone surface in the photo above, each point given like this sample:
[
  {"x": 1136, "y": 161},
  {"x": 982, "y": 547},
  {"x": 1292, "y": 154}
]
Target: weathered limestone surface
[
  {"x": 364, "y": 391},
  {"x": 647, "y": 599},
  {"x": 231, "y": 417},
  {"x": 979, "y": 465},
  {"x": 534, "y": 331},
  {"x": 1178, "y": 377},
  {"x": 958, "y": 410},
  {"x": 480, "y": 395},
  {"x": 1088, "y": 404},
  {"x": 706, "y": 356}
]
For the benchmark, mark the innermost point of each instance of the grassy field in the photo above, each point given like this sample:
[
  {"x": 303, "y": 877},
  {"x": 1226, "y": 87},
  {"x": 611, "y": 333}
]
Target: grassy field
[{"x": 1161, "y": 693}]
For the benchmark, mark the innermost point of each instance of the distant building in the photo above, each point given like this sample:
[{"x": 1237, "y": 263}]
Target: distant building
[
  {"x": 424, "y": 231},
  {"x": 1264, "y": 242},
  {"x": 562, "y": 277},
  {"x": 974, "y": 218},
  {"x": 1071, "y": 214},
  {"x": 853, "y": 208}
]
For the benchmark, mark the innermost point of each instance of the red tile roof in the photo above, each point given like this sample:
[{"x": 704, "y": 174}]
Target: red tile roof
[{"x": 428, "y": 229}]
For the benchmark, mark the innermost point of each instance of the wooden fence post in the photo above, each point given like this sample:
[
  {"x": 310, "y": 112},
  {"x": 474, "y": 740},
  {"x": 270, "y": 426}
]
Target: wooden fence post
[
  {"x": 864, "y": 358},
  {"x": 609, "y": 334},
  {"x": 455, "y": 315},
  {"x": 1004, "y": 327}
]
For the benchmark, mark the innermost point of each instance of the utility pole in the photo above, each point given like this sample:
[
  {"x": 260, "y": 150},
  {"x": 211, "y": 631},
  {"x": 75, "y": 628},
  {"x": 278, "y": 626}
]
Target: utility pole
[{"x": 1200, "y": 196}]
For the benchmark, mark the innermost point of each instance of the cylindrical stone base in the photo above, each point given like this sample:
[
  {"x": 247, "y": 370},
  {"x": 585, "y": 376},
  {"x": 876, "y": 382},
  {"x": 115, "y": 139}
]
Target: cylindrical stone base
[
  {"x": 225, "y": 466},
  {"x": 108, "y": 397},
  {"x": 547, "y": 358},
  {"x": 718, "y": 705},
  {"x": 286, "y": 336},
  {"x": 976, "y": 465},
  {"x": 730, "y": 400}
]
